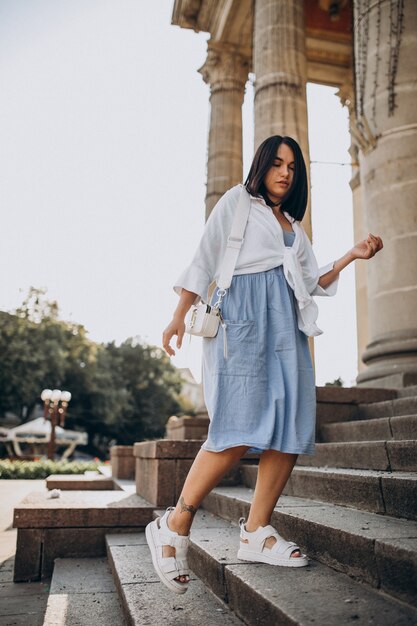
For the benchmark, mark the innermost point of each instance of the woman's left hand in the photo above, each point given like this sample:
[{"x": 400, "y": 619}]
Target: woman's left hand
[{"x": 367, "y": 248}]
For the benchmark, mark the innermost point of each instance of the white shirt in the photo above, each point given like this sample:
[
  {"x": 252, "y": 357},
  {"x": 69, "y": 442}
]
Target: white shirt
[{"x": 263, "y": 249}]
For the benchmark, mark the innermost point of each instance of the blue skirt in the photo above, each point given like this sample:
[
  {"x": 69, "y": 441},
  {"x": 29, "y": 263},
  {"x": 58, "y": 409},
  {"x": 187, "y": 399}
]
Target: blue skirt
[{"x": 263, "y": 395}]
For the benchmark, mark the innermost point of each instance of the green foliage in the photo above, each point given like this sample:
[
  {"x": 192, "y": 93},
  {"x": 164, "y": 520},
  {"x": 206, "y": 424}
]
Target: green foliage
[
  {"x": 124, "y": 393},
  {"x": 338, "y": 382},
  {"x": 43, "y": 469}
]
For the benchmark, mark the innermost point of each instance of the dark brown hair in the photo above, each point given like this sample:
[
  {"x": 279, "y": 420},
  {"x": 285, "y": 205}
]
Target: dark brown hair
[{"x": 295, "y": 203}]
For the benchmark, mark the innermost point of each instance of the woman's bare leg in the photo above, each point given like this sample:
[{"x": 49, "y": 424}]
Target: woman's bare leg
[
  {"x": 273, "y": 472},
  {"x": 205, "y": 473}
]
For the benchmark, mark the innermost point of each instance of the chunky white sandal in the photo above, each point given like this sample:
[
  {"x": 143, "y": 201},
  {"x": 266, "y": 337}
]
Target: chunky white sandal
[
  {"x": 168, "y": 568},
  {"x": 252, "y": 547}
]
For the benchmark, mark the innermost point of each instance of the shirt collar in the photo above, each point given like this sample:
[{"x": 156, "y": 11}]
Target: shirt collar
[{"x": 262, "y": 201}]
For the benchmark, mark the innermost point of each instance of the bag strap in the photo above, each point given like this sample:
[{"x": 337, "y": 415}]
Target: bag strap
[{"x": 234, "y": 240}]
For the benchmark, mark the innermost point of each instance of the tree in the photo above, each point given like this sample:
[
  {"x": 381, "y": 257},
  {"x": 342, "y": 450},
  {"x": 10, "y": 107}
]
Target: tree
[{"x": 125, "y": 392}]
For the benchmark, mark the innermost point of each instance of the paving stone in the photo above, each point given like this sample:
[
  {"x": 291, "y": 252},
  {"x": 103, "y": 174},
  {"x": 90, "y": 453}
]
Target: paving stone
[
  {"x": 404, "y": 426},
  {"x": 403, "y": 455},
  {"x": 400, "y": 494},
  {"x": 83, "y": 594},
  {"x": 357, "y": 455},
  {"x": 359, "y": 430},
  {"x": 14, "y": 605}
]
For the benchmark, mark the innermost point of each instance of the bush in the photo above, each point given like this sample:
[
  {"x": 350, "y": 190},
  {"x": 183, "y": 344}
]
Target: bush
[{"x": 43, "y": 469}]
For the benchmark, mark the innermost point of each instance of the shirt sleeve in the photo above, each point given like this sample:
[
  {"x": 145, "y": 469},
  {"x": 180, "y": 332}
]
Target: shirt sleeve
[
  {"x": 200, "y": 273},
  {"x": 312, "y": 272},
  {"x": 331, "y": 289}
]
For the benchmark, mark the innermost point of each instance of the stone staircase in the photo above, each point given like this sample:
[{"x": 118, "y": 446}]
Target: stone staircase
[{"x": 352, "y": 508}]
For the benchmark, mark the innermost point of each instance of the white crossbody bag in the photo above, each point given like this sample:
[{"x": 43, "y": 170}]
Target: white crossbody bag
[{"x": 204, "y": 319}]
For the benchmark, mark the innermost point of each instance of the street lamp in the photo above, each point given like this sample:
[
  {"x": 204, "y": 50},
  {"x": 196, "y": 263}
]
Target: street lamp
[{"x": 55, "y": 403}]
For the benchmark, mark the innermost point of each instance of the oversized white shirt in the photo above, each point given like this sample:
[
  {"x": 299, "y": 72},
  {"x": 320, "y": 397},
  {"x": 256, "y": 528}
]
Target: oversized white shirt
[{"x": 263, "y": 249}]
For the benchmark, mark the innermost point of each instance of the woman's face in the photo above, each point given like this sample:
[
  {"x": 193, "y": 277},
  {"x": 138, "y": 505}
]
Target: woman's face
[{"x": 279, "y": 177}]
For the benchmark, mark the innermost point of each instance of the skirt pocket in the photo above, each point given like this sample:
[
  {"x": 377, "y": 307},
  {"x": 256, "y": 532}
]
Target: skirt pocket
[{"x": 242, "y": 359}]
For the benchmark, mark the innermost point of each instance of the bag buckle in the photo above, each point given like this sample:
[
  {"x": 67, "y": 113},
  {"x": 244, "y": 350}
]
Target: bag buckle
[{"x": 220, "y": 295}]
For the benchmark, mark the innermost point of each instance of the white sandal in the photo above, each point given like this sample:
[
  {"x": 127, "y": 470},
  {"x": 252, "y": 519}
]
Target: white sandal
[
  {"x": 168, "y": 568},
  {"x": 252, "y": 547}
]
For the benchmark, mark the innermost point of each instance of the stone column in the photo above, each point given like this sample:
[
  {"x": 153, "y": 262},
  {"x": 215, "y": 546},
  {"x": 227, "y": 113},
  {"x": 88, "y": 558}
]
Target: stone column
[
  {"x": 347, "y": 98},
  {"x": 386, "y": 96},
  {"x": 280, "y": 67},
  {"x": 226, "y": 71}
]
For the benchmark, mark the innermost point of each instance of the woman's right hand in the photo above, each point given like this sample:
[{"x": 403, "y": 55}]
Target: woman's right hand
[{"x": 176, "y": 327}]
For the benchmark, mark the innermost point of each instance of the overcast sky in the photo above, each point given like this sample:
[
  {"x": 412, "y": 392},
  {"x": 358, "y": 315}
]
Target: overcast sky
[{"x": 103, "y": 134}]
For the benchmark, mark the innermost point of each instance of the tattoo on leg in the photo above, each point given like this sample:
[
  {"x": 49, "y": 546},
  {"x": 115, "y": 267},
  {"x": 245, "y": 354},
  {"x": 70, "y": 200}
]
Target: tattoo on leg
[{"x": 187, "y": 508}]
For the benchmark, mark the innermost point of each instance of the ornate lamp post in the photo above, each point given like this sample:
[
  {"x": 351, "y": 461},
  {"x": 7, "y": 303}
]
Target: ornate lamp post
[{"x": 55, "y": 405}]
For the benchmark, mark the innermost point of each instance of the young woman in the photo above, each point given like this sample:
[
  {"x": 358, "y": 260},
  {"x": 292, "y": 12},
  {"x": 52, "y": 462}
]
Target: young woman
[{"x": 262, "y": 396}]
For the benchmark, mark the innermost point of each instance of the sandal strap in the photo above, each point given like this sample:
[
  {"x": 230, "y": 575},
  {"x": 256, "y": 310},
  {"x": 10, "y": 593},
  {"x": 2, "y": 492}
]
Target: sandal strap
[
  {"x": 260, "y": 535},
  {"x": 284, "y": 548},
  {"x": 172, "y": 569},
  {"x": 178, "y": 542}
]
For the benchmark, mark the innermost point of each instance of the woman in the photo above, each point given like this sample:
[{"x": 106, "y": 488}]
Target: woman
[{"x": 262, "y": 396}]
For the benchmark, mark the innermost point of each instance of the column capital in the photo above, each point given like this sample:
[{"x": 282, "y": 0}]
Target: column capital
[{"x": 225, "y": 69}]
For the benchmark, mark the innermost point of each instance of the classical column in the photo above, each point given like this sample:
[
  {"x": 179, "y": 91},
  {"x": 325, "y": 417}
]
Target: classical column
[
  {"x": 386, "y": 126},
  {"x": 347, "y": 98},
  {"x": 226, "y": 71},
  {"x": 280, "y": 67}
]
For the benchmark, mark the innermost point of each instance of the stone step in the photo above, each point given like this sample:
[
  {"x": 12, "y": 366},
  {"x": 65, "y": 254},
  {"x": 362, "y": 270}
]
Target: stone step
[
  {"x": 78, "y": 482},
  {"x": 83, "y": 593},
  {"x": 379, "y": 429},
  {"x": 406, "y": 392},
  {"x": 388, "y": 408},
  {"x": 376, "y": 549},
  {"x": 147, "y": 602},
  {"x": 389, "y": 493},
  {"x": 267, "y": 595},
  {"x": 376, "y": 455},
  {"x": 73, "y": 525}
]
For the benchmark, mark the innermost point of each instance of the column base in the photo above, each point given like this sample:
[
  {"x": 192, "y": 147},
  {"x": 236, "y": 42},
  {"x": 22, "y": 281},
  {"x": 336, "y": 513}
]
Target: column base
[{"x": 391, "y": 360}]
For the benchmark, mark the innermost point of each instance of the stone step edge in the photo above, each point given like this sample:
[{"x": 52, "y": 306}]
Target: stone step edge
[
  {"x": 231, "y": 582},
  {"x": 376, "y": 491},
  {"x": 90, "y": 598},
  {"x": 385, "y": 455},
  {"x": 129, "y": 615},
  {"x": 347, "y": 550},
  {"x": 119, "y": 587},
  {"x": 364, "y": 424}
]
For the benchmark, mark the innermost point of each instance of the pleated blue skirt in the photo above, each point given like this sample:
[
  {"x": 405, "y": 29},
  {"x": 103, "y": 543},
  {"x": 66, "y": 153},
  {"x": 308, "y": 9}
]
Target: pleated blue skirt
[{"x": 263, "y": 395}]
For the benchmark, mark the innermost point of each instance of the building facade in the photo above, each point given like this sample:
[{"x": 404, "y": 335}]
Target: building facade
[{"x": 368, "y": 50}]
